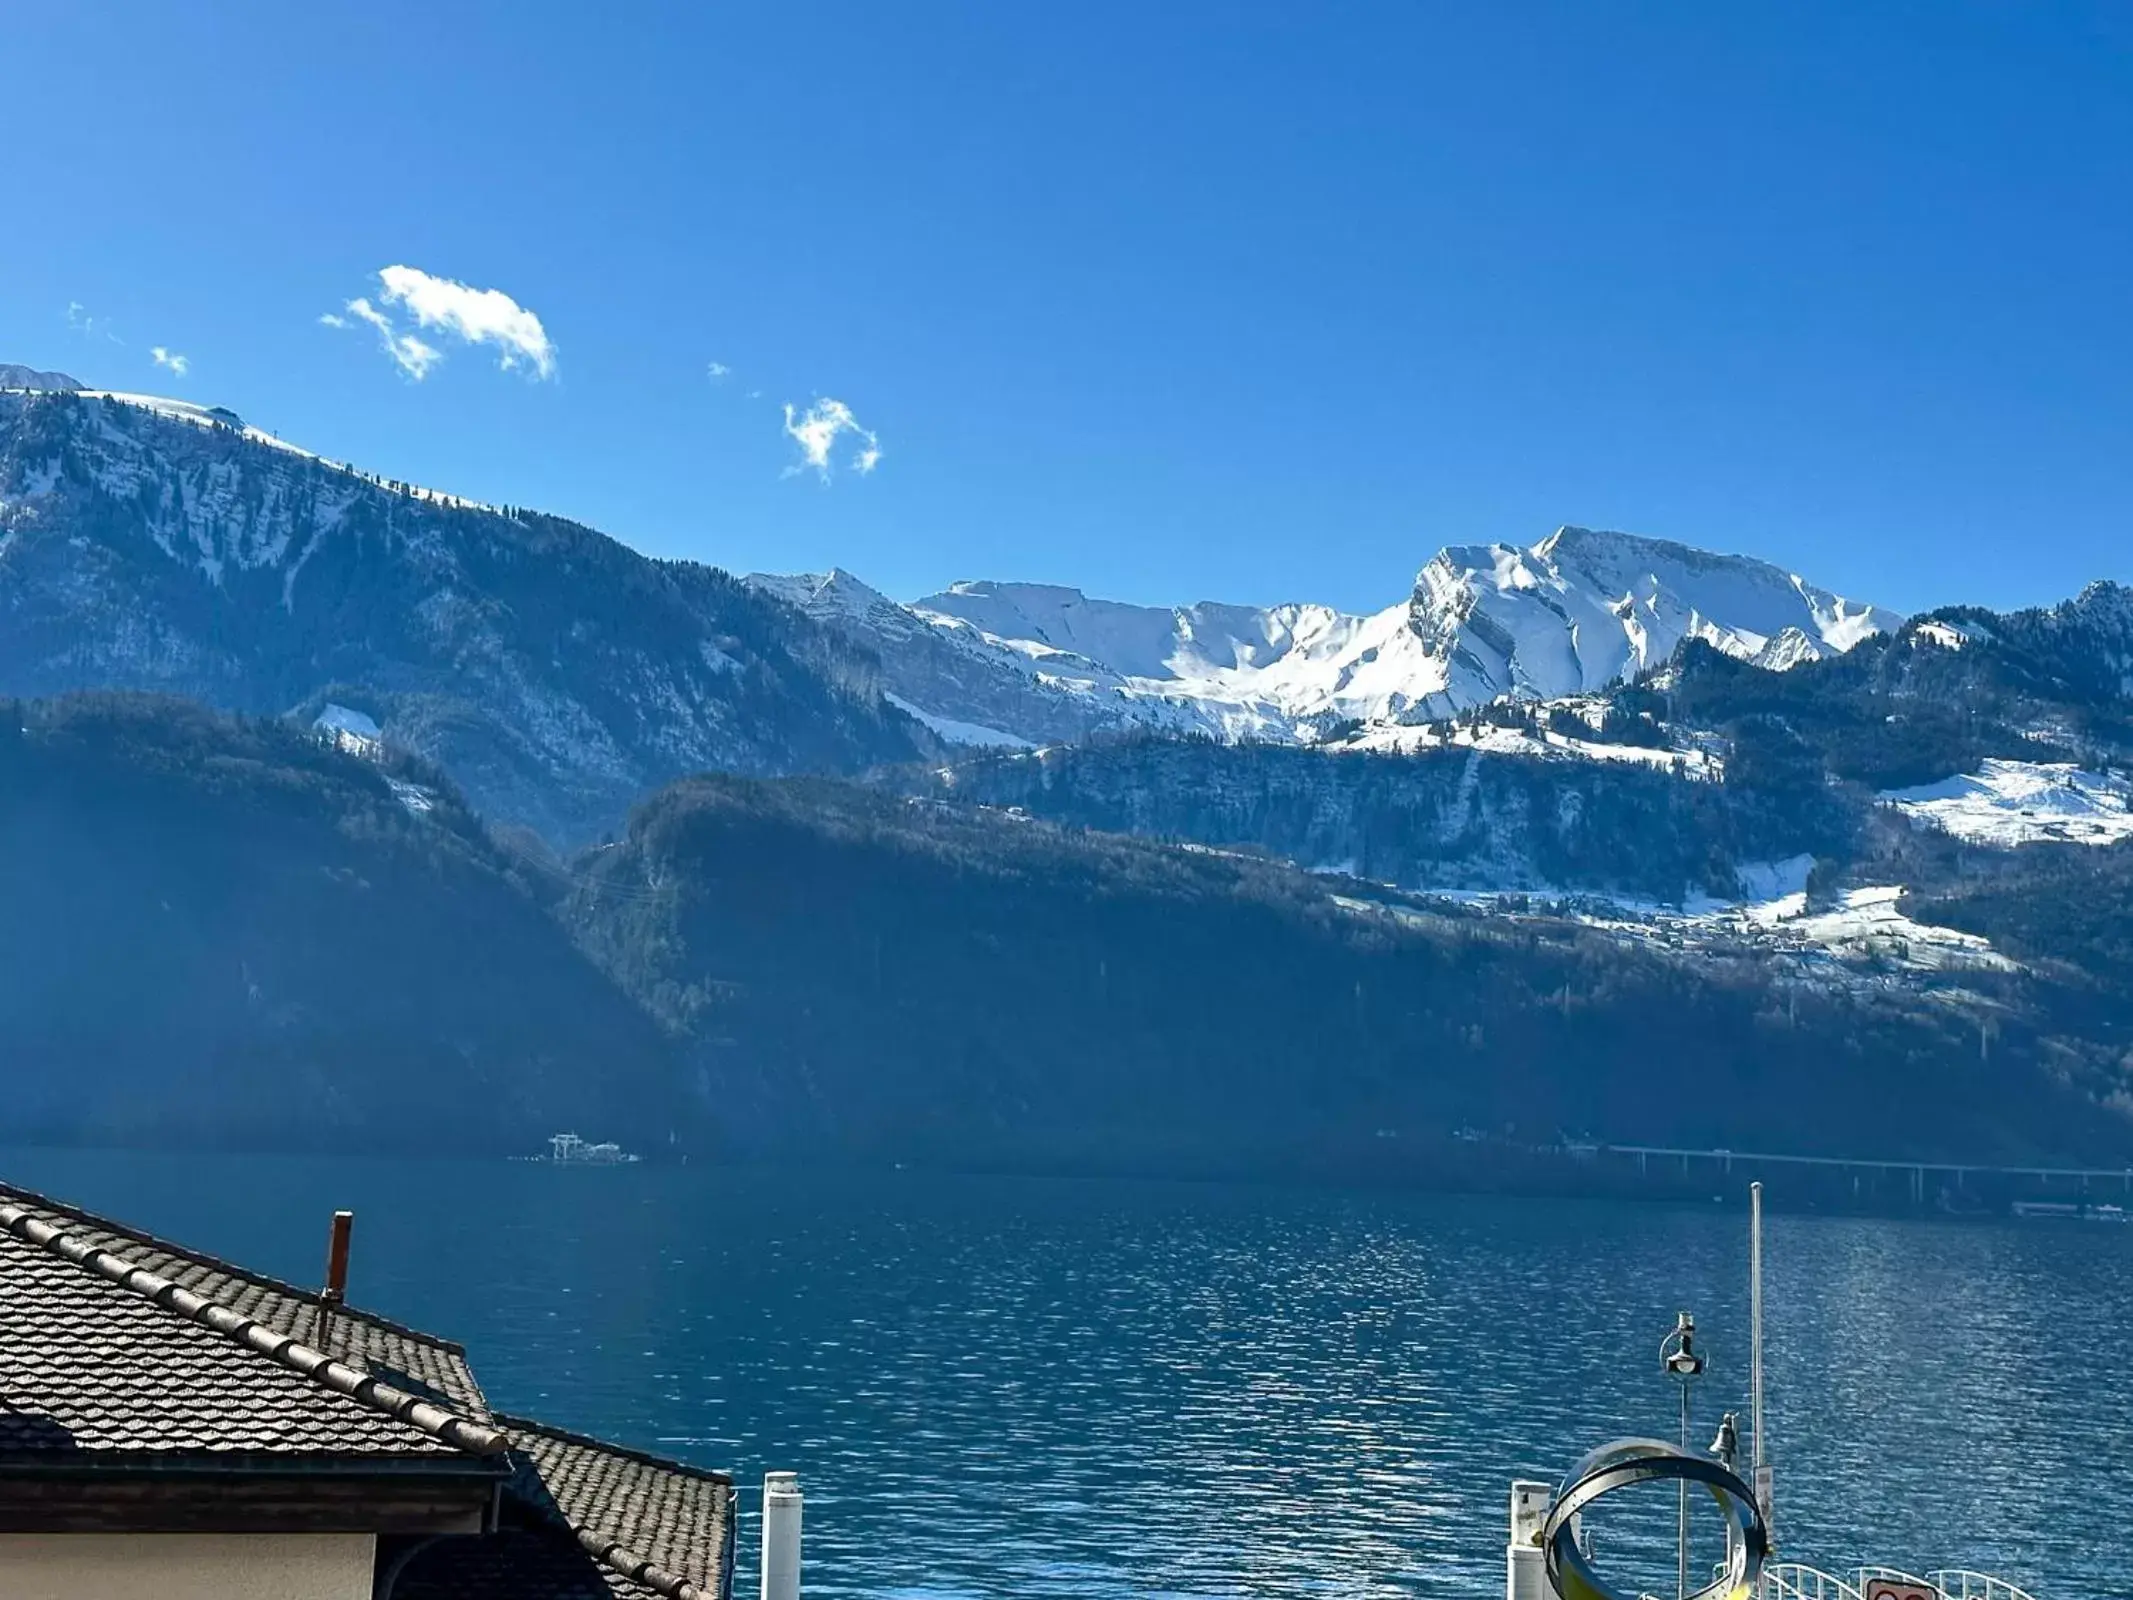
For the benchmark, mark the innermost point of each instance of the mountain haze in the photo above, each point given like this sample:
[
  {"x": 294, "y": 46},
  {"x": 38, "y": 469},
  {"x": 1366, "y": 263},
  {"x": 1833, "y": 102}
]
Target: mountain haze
[
  {"x": 1283, "y": 887},
  {"x": 223, "y": 931}
]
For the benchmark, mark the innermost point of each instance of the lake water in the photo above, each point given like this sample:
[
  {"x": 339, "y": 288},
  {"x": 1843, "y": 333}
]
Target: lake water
[{"x": 996, "y": 1387}]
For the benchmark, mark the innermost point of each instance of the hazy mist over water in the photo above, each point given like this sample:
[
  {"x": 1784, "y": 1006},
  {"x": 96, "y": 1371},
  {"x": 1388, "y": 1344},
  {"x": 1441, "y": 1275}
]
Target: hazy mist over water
[{"x": 996, "y": 1387}]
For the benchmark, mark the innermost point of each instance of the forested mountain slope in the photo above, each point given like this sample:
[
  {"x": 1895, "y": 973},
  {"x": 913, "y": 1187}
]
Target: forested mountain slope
[
  {"x": 229, "y": 931},
  {"x": 1690, "y": 782},
  {"x": 867, "y": 973},
  {"x": 555, "y": 673}
]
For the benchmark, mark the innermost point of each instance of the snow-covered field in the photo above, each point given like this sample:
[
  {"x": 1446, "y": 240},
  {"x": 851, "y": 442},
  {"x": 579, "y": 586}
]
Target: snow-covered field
[
  {"x": 2010, "y": 803},
  {"x": 1867, "y": 924},
  {"x": 1863, "y": 938}
]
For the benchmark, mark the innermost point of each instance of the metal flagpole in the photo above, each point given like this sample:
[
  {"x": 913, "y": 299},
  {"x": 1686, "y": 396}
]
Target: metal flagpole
[
  {"x": 1755, "y": 1325},
  {"x": 1761, "y": 1475}
]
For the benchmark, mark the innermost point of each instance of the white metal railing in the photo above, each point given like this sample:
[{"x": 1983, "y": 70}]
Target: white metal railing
[
  {"x": 1894, "y": 1575},
  {"x": 1796, "y": 1580},
  {"x": 1960, "y": 1583}
]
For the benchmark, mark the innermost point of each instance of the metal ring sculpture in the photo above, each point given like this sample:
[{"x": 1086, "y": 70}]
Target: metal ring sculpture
[{"x": 1627, "y": 1461}]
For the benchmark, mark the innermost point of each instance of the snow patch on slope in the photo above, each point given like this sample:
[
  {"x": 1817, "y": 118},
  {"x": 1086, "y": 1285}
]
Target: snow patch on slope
[
  {"x": 1859, "y": 940},
  {"x": 2008, "y": 803},
  {"x": 1946, "y": 635},
  {"x": 1776, "y": 883},
  {"x": 1866, "y": 924},
  {"x": 417, "y": 800},
  {"x": 1393, "y": 739},
  {"x": 966, "y": 733}
]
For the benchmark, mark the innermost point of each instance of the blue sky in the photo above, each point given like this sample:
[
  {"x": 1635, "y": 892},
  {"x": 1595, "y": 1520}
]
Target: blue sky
[{"x": 1250, "y": 302}]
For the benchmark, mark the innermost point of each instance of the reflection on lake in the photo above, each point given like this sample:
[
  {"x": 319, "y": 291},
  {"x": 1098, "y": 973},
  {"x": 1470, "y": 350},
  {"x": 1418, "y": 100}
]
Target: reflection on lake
[{"x": 996, "y": 1387}]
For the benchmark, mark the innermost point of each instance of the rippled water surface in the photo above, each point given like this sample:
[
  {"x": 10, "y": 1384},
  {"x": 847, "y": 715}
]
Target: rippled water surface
[{"x": 1003, "y": 1387}]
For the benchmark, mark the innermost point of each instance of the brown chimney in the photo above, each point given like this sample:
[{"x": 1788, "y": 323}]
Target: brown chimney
[
  {"x": 337, "y": 1257},
  {"x": 336, "y": 1290}
]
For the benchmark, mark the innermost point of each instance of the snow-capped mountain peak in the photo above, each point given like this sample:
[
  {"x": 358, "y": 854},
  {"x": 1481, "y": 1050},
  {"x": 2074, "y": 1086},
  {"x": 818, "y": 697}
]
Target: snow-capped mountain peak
[
  {"x": 1578, "y": 611},
  {"x": 835, "y": 593},
  {"x": 1583, "y": 609}
]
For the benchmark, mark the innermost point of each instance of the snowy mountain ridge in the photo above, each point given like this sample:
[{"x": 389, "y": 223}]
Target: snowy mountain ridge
[
  {"x": 558, "y": 675},
  {"x": 14, "y": 375},
  {"x": 1577, "y": 612}
]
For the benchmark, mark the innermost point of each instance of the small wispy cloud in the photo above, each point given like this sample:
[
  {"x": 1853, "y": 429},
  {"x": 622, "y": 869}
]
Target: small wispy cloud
[
  {"x": 717, "y": 370},
  {"x": 410, "y": 354},
  {"x": 818, "y": 429},
  {"x": 178, "y": 365},
  {"x": 444, "y": 305},
  {"x": 89, "y": 327}
]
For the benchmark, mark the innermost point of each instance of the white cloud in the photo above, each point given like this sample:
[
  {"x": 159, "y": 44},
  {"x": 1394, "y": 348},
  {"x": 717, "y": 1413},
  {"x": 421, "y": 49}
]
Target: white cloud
[
  {"x": 479, "y": 316},
  {"x": 178, "y": 364},
  {"x": 413, "y": 356},
  {"x": 717, "y": 370},
  {"x": 817, "y": 430}
]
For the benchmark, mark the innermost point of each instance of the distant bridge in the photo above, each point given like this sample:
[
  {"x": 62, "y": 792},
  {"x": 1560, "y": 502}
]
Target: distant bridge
[{"x": 1722, "y": 1160}]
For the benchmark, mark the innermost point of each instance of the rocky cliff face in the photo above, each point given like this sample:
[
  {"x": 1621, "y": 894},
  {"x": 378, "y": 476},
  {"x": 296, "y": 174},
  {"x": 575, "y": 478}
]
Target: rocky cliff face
[{"x": 555, "y": 673}]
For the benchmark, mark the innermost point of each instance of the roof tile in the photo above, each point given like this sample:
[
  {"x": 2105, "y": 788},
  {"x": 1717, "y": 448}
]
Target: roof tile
[
  {"x": 87, "y": 1365},
  {"x": 113, "y": 1341},
  {"x": 352, "y": 1335}
]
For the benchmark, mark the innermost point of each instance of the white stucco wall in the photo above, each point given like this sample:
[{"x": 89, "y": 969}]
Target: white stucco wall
[{"x": 186, "y": 1566}]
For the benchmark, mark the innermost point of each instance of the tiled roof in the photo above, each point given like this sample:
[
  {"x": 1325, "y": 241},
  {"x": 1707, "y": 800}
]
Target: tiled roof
[
  {"x": 111, "y": 1341},
  {"x": 358, "y": 1337},
  {"x": 97, "y": 1354},
  {"x": 588, "y": 1521},
  {"x": 635, "y": 1511}
]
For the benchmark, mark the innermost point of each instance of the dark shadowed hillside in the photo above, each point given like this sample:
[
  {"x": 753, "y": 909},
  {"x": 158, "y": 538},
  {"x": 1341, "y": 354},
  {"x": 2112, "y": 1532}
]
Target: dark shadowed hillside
[
  {"x": 220, "y": 931},
  {"x": 225, "y": 931},
  {"x": 871, "y": 973}
]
